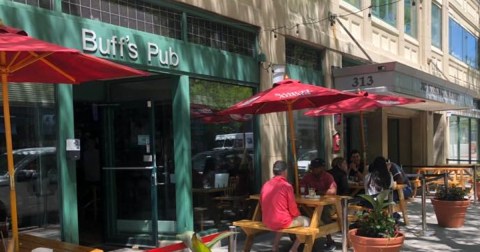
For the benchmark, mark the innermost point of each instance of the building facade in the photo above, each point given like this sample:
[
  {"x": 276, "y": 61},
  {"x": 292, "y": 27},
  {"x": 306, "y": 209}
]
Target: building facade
[{"x": 154, "y": 138}]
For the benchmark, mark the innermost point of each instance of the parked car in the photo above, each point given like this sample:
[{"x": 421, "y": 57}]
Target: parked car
[
  {"x": 226, "y": 158},
  {"x": 304, "y": 161},
  {"x": 35, "y": 184}
]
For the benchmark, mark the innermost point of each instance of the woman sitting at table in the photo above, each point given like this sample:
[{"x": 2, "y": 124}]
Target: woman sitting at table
[
  {"x": 378, "y": 178},
  {"x": 339, "y": 172}
]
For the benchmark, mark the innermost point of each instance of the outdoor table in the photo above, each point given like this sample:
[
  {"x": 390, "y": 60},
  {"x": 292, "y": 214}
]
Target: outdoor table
[
  {"x": 306, "y": 235},
  {"x": 355, "y": 187},
  {"x": 205, "y": 199}
]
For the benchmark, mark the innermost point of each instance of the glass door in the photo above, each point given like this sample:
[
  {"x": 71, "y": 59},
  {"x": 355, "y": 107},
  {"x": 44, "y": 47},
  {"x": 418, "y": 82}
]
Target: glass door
[{"x": 130, "y": 173}]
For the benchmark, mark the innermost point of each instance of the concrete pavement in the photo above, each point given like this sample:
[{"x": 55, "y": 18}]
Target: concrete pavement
[{"x": 435, "y": 238}]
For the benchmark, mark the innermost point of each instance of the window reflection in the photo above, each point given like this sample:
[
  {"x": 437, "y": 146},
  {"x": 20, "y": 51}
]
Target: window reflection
[
  {"x": 386, "y": 10},
  {"x": 33, "y": 122},
  {"x": 222, "y": 149},
  {"x": 436, "y": 26},
  {"x": 463, "y": 140}
]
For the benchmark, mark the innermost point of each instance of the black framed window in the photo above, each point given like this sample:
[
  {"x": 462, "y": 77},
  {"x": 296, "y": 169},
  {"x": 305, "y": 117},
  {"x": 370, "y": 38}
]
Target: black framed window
[
  {"x": 138, "y": 15},
  {"x": 300, "y": 55},
  {"x": 463, "y": 146},
  {"x": 221, "y": 36},
  {"x": 46, "y": 4}
]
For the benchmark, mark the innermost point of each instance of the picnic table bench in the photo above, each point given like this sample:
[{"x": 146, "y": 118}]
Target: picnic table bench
[
  {"x": 306, "y": 235},
  {"x": 29, "y": 242}
]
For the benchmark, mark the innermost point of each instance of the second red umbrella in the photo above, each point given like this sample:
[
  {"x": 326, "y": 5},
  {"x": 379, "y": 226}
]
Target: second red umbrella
[{"x": 289, "y": 95}]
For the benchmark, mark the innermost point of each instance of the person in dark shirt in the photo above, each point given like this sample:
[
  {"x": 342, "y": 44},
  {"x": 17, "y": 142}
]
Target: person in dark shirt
[
  {"x": 400, "y": 177},
  {"x": 356, "y": 166},
  {"x": 339, "y": 172}
]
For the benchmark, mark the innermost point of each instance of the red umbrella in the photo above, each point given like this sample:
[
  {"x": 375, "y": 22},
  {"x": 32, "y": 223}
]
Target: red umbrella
[
  {"x": 364, "y": 102},
  {"x": 221, "y": 119},
  {"x": 288, "y": 95},
  {"x": 26, "y": 59}
]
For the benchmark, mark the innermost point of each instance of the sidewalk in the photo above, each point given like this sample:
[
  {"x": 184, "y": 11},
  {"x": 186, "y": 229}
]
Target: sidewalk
[{"x": 466, "y": 238}]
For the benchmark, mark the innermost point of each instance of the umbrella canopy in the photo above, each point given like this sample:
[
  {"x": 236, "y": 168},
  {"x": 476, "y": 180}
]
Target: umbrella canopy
[
  {"x": 364, "y": 102},
  {"x": 212, "y": 116},
  {"x": 288, "y": 95},
  {"x": 26, "y": 59}
]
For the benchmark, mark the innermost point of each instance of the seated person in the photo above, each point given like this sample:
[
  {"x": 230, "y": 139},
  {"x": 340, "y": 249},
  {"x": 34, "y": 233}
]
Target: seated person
[
  {"x": 356, "y": 166},
  {"x": 279, "y": 208},
  {"x": 339, "y": 172},
  {"x": 400, "y": 177},
  {"x": 378, "y": 178},
  {"x": 324, "y": 184}
]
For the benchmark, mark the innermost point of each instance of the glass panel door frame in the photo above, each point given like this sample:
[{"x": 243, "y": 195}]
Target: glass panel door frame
[{"x": 146, "y": 233}]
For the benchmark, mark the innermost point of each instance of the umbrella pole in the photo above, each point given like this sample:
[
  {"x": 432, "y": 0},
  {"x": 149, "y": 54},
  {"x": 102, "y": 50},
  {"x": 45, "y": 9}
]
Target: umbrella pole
[
  {"x": 11, "y": 170},
  {"x": 364, "y": 146},
  {"x": 294, "y": 149}
]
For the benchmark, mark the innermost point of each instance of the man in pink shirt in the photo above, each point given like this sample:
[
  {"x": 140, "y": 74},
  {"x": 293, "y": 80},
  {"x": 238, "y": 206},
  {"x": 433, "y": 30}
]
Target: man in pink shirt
[{"x": 279, "y": 209}]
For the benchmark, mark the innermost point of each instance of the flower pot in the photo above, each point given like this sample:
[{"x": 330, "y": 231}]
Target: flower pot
[
  {"x": 369, "y": 244},
  {"x": 450, "y": 213}
]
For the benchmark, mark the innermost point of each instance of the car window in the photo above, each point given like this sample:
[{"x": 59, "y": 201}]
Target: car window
[
  {"x": 307, "y": 156},
  {"x": 17, "y": 160}
]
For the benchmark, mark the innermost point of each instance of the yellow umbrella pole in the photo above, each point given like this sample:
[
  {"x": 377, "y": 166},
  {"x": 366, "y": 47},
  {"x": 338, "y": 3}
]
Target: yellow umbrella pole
[
  {"x": 11, "y": 170},
  {"x": 294, "y": 149},
  {"x": 364, "y": 145}
]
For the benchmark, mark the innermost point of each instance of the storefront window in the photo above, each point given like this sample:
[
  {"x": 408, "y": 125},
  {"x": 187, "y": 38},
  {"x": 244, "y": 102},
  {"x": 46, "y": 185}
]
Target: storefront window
[
  {"x": 436, "y": 26},
  {"x": 410, "y": 16},
  {"x": 386, "y": 10},
  {"x": 453, "y": 149},
  {"x": 33, "y": 128},
  {"x": 463, "y": 140},
  {"x": 222, "y": 153}
]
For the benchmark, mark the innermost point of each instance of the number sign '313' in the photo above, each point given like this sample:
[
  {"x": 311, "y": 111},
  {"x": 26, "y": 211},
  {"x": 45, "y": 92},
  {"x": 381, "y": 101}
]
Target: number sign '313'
[{"x": 362, "y": 81}]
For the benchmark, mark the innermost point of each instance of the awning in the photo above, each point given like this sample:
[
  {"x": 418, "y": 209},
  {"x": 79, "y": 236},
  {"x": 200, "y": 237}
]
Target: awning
[{"x": 398, "y": 79}]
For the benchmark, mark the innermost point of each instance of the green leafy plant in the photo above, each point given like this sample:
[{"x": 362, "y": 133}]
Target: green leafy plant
[
  {"x": 453, "y": 193},
  {"x": 376, "y": 222},
  {"x": 195, "y": 244}
]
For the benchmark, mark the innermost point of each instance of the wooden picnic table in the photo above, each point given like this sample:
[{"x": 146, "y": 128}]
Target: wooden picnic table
[
  {"x": 29, "y": 242},
  {"x": 306, "y": 235}
]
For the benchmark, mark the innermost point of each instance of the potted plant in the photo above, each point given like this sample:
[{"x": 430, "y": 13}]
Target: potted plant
[
  {"x": 450, "y": 206},
  {"x": 375, "y": 229}
]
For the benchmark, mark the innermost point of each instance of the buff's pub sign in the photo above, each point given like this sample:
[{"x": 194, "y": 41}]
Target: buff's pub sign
[{"x": 123, "y": 47}]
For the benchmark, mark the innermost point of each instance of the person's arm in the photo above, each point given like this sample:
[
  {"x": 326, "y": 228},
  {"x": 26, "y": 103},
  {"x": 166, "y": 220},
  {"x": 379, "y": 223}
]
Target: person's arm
[
  {"x": 332, "y": 189},
  {"x": 292, "y": 204},
  {"x": 358, "y": 174},
  {"x": 396, "y": 174}
]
